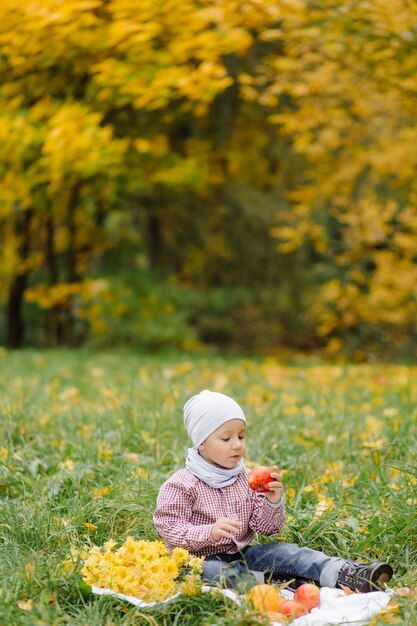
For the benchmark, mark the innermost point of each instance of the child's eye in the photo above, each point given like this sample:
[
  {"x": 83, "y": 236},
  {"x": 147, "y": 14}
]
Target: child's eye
[
  {"x": 242, "y": 437},
  {"x": 225, "y": 439}
]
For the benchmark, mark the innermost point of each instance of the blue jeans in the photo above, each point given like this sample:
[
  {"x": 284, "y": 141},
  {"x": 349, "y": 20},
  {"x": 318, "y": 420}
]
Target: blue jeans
[{"x": 278, "y": 561}]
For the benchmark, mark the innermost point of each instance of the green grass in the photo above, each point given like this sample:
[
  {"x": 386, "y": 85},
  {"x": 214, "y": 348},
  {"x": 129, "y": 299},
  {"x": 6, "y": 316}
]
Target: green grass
[{"x": 75, "y": 423}]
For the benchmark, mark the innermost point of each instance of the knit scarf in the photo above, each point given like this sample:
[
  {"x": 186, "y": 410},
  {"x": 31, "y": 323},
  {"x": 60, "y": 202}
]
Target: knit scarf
[{"x": 213, "y": 475}]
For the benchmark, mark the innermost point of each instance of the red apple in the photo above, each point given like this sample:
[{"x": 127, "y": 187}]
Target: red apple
[
  {"x": 308, "y": 595},
  {"x": 259, "y": 478},
  {"x": 292, "y": 609}
]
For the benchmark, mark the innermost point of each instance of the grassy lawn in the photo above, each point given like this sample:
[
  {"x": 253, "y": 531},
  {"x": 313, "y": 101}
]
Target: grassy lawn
[{"x": 87, "y": 438}]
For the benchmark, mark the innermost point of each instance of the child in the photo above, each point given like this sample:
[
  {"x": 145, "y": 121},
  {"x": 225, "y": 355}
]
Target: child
[{"x": 209, "y": 509}]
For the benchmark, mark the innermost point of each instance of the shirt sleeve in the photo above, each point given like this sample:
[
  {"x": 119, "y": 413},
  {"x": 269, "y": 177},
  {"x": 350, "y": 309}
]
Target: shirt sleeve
[
  {"x": 266, "y": 519},
  {"x": 172, "y": 519},
  {"x": 278, "y": 505}
]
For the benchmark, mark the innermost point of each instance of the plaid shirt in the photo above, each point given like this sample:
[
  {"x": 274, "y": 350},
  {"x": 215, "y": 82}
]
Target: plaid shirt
[{"x": 187, "y": 508}]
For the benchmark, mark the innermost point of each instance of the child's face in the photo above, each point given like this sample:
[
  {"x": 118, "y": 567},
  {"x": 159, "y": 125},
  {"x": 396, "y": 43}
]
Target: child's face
[{"x": 226, "y": 445}]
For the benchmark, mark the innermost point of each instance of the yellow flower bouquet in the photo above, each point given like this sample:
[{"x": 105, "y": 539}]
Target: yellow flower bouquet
[{"x": 142, "y": 569}]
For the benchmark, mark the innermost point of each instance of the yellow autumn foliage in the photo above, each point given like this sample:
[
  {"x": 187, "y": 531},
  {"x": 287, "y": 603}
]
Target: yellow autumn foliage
[{"x": 112, "y": 111}]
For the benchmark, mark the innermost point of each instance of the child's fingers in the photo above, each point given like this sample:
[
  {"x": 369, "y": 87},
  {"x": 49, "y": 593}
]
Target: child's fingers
[
  {"x": 277, "y": 481},
  {"x": 226, "y": 533},
  {"x": 224, "y": 527},
  {"x": 275, "y": 485},
  {"x": 229, "y": 524},
  {"x": 276, "y": 473},
  {"x": 234, "y": 525}
]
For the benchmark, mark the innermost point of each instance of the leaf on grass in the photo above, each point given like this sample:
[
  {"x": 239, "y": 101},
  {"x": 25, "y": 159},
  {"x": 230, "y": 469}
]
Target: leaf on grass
[
  {"x": 29, "y": 569},
  {"x": 406, "y": 592},
  {"x": 99, "y": 493},
  {"x": 392, "y": 607},
  {"x": 25, "y": 605},
  {"x": 388, "y": 616},
  {"x": 374, "y": 445}
]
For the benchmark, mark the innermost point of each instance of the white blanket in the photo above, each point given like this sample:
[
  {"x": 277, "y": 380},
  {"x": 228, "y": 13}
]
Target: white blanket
[
  {"x": 335, "y": 606},
  {"x": 338, "y": 608}
]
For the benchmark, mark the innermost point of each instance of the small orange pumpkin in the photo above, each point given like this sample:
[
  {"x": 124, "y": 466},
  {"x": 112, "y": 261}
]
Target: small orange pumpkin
[{"x": 264, "y": 598}]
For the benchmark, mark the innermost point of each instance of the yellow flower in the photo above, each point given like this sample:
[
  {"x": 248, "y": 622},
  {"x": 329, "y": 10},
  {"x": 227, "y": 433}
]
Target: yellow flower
[
  {"x": 109, "y": 545},
  {"x": 180, "y": 555},
  {"x": 142, "y": 473},
  {"x": 98, "y": 493},
  {"x": 104, "y": 453},
  {"x": 143, "y": 569},
  {"x": 190, "y": 586},
  {"x": 76, "y": 555},
  {"x": 196, "y": 564},
  {"x": 68, "y": 464}
]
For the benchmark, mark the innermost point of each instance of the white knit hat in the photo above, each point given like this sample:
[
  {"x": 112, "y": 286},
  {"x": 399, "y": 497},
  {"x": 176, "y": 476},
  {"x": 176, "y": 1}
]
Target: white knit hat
[{"x": 207, "y": 411}]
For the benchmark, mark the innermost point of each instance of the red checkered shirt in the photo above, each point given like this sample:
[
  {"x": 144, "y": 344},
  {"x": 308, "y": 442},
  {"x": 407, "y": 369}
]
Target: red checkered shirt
[{"x": 187, "y": 508}]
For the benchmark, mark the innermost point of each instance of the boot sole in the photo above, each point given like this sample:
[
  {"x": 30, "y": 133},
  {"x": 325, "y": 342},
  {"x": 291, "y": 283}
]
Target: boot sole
[{"x": 380, "y": 576}]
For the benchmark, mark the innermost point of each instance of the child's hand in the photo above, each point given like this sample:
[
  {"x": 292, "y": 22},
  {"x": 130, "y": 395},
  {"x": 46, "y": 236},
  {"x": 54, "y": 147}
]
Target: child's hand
[
  {"x": 224, "y": 527},
  {"x": 276, "y": 490}
]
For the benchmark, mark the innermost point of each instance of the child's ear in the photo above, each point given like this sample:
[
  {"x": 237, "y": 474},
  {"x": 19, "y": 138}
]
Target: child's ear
[{"x": 201, "y": 446}]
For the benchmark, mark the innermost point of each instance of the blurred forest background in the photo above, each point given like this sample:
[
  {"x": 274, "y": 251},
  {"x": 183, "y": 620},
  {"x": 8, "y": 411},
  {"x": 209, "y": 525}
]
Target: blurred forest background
[{"x": 176, "y": 173}]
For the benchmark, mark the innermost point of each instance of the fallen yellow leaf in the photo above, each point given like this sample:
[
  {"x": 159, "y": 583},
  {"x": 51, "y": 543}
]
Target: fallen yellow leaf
[
  {"x": 98, "y": 493},
  {"x": 24, "y": 605},
  {"x": 29, "y": 569},
  {"x": 391, "y": 607},
  {"x": 406, "y": 592}
]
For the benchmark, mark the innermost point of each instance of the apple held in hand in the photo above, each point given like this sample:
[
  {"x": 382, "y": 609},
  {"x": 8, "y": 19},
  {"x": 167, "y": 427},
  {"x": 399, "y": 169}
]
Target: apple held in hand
[
  {"x": 259, "y": 478},
  {"x": 308, "y": 595}
]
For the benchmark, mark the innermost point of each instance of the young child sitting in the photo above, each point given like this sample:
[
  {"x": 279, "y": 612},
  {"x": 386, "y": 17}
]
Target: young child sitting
[{"x": 209, "y": 509}]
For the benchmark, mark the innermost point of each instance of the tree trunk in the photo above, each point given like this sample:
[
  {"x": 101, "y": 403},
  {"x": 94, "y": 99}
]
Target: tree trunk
[
  {"x": 15, "y": 326},
  {"x": 73, "y": 275},
  {"x": 154, "y": 241},
  {"x": 55, "y": 328}
]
